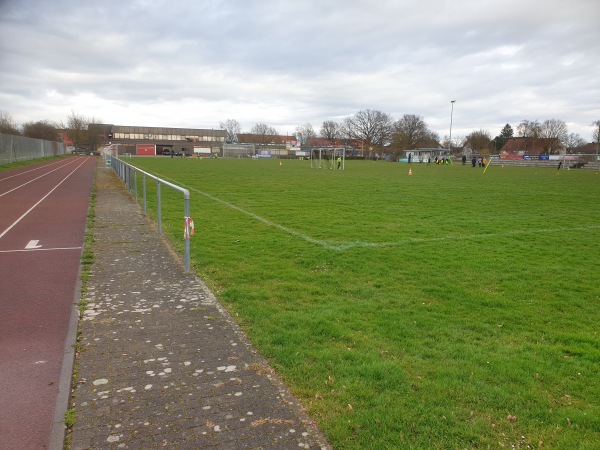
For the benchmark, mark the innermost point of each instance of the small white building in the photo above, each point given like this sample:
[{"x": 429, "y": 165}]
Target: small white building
[{"x": 425, "y": 154}]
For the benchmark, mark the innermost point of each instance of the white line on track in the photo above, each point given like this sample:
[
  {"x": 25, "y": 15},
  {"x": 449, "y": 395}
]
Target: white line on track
[
  {"x": 340, "y": 246},
  {"x": 41, "y": 200},
  {"x": 40, "y": 249},
  {"x": 31, "y": 170},
  {"x": 37, "y": 178}
]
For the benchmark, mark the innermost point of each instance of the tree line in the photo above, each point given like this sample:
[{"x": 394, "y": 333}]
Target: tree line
[
  {"x": 377, "y": 131},
  {"x": 81, "y": 130}
]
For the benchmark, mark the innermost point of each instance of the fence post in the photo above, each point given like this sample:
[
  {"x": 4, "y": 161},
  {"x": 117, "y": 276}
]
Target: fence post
[
  {"x": 123, "y": 170},
  {"x": 186, "y": 209},
  {"x": 144, "y": 190},
  {"x": 158, "y": 209}
]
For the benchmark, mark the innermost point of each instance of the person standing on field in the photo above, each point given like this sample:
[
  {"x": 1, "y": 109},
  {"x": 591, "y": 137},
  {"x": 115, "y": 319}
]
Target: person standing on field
[{"x": 339, "y": 161}]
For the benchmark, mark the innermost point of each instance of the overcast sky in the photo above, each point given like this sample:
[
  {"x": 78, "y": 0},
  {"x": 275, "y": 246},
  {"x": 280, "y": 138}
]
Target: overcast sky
[{"x": 285, "y": 63}]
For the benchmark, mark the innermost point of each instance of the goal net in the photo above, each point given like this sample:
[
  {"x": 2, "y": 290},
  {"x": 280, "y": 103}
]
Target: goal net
[
  {"x": 328, "y": 158},
  {"x": 239, "y": 151}
]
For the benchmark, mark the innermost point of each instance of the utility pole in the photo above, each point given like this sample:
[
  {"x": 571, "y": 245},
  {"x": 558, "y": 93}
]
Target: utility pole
[
  {"x": 597, "y": 123},
  {"x": 450, "y": 139}
]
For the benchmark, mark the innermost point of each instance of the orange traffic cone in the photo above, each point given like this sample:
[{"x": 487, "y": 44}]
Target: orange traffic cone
[{"x": 410, "y": 171}]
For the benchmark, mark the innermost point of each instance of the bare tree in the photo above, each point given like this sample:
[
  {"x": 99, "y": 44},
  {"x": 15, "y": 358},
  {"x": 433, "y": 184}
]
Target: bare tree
[
  {"x": 331, "y": 130},
  {"x": 530, "y": 129},
  {"x": 232, "y": 127},
  {"x": 42, "y": 130},
  {"x": 263, "y": 133},
  {"x": 82, "y": 130},
  {"x": 596, "y": 137},
  {"x": 479, "y": 141},
  {"x": 374, "y": 128},
  {"x": 304, "y": 133},
  {"x": 596, "y": 133},
  {"x": 554, "y": 133},
  {"x": 411, "y": 132},
  {"x": 573, "y": 140},
  {"x": 458, "y": 141},
  {"x": 8, "y": 124}
]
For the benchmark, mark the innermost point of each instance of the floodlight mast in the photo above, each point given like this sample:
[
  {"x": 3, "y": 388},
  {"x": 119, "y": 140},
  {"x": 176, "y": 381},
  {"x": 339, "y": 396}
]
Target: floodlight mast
[
  {"x": 597, "y": 122},
  {"x": 450, "y": 139}
]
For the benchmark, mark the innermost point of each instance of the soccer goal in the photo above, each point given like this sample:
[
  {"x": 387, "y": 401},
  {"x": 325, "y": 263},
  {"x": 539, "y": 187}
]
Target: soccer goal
[
  {"x": 239, "y": 151},
  {"x": 109, "y": 152},
  {"x": 328, "y": 158}
]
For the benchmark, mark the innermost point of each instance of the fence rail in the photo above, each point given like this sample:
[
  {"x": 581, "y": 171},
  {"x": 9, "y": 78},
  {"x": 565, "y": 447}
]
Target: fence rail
[
  {"x": 20, "y": 148},
  {"x": 129, "y": 174}
]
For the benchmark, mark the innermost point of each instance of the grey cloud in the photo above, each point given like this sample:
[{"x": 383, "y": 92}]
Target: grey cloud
[{"x": 309, "y": 61}]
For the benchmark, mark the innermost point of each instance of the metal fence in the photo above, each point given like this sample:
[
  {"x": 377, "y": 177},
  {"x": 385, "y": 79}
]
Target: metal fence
[
  {"x": 129, "y": 175},
  {"x": 19, "y": 148}
]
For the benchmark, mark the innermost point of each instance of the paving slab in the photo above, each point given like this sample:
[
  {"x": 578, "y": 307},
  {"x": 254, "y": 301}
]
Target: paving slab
[{"x": 161, "y": 363}]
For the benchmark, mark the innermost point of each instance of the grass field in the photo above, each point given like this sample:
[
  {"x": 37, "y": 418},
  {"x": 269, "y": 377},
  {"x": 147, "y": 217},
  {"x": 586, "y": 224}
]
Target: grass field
[{"x": 449, "y": 309}]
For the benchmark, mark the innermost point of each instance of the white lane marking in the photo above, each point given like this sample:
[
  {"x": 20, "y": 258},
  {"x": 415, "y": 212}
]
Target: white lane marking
[
  {"x": 31, "y": 181},
  {"x": 40, "y": 249},
  {"x": 40, "y": 201},
  {"x": 32, "y": 245},
  {"x": 32, "y": 170}
]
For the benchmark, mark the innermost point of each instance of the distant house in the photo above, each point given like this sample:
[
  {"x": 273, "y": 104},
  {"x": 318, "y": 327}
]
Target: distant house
[
  {"x": 67, "y": 140},
  {"x": 324, "y": 142},
  {"x": 262, "y": 146},
  {"x": 425, "y": 154},
  {"x": 267, "y": 139},
  {"x": 160, "y": 140},
  {"x": 530, "y": 146},
  {"x": 587, "y": 149}
]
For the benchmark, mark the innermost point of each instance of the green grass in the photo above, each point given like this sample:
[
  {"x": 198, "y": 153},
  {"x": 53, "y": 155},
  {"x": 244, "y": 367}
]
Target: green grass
[
  {"x": 425, "y": 311},
  {"x": 70, "y": 415}
]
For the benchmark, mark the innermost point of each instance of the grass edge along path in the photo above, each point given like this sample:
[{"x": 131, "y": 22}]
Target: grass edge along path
[{"x": 477, "y": 328}]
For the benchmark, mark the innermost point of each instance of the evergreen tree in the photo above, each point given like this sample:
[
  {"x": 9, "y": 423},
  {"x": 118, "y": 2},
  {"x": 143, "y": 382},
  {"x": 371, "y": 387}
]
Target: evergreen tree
[{"x": 506, "y": 133}]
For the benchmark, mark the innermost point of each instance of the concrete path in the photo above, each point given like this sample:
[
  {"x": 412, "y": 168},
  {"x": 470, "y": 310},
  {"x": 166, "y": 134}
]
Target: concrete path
[{"x": 161, "y": 364}]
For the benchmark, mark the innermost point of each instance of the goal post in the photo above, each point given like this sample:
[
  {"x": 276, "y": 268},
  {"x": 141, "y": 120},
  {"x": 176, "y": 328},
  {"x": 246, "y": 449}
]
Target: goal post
[
  {"x": 328, "y": 157},
  {"x": 239, "y": 151}
]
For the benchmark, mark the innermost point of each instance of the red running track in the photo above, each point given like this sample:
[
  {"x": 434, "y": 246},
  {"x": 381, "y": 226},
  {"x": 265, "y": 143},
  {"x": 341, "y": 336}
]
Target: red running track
[{"x": 43, "y": 214}]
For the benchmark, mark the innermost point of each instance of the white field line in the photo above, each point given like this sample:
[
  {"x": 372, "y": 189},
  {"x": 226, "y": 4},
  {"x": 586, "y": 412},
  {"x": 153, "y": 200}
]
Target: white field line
[
  {"x": 304, "y": 237},
  {"x": 340, "y": 246},
  {"x": 462, "y": 237}
]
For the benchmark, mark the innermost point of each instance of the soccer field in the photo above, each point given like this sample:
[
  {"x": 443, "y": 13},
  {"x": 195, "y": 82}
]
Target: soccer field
[{"x": 446, "y": 309}]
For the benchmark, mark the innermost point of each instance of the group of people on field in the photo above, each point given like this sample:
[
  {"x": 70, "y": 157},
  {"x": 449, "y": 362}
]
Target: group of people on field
[
  {"x": 480, "y": 162},
  {"x": 475, "y": 162}
]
